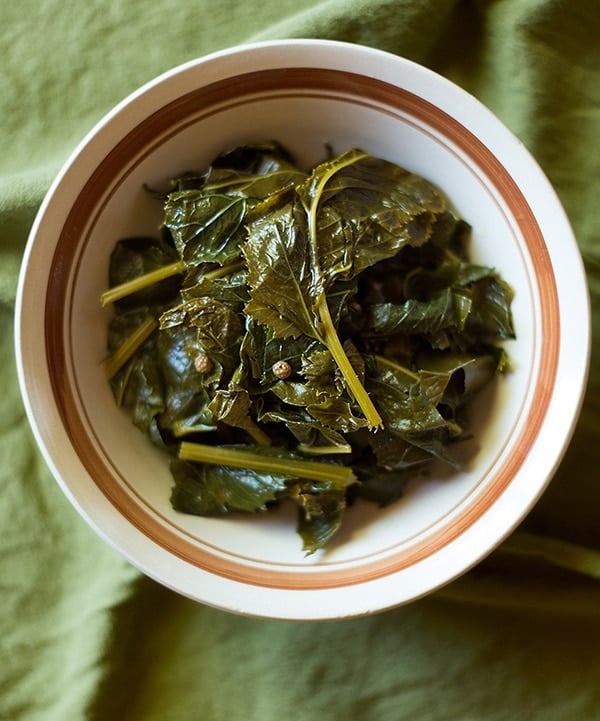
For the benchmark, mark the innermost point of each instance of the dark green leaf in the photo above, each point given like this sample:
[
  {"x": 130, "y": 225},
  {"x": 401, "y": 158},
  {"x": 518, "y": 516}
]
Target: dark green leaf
[
  {"x": 337, "y": 414},
  {"x": 255, "y": 159},
  {"x": 357, "y": 279},
  {"x": 447, "y": 309},
  {"x": 186, "y": 390},
  {"x": 284, "y": 286},
  {"x": 254, "y": 187},
  {"x": 367, "y": 209},
  {"x": 452, "y": 379},
  {"x": 288, "y": 290},
  {"x": 320, "y": 517},
  {"x": 209, "y": 490},
  {"x": 230, "y": 289},
  {"x": 409, "y": 413},
  {"x": 146, "y": 387},
  {"x": 134, "y": 257},
  {"x": 205, "y": 228},
  {"x": 491, "y": 315},
  {"x": 322, "y": 373},
  {"x": 381, "y": 486},
  {"x": 233, "y": 406},
  {"x": 308, "y": 432},
  {"x": 219, "y": 329},
  {"x": 263, "y": 349}
]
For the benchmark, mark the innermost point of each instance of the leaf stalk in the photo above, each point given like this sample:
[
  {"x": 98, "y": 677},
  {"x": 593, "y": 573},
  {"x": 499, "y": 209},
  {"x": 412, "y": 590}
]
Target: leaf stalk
[
  {"x": 143, "y": 281},
  {"x": 355, "y": 387},
  {"x": 239, "y": 458},
  {"x": 330, "y": 336},
  {"x": 130, "y": 345}
]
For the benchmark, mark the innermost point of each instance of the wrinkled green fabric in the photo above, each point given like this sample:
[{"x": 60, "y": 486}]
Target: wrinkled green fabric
[{"x": 82, "y": 634}]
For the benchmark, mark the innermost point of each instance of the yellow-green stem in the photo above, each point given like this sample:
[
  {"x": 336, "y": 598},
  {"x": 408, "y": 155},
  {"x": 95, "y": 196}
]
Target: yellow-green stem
[
  {"x": 397, "y": 367},
  {"x": 258, "y": 435},
  {"x": 117, "y": 360},
  {"x": 238, "y": 458},
  {"x": 355, "y": 387},
  {"x": 325, "y": 450},
  {"x": 224, "y": 270},
  {"x": 330, "y": 336},
  {"x": 143, "y": 281},
  {"x": 312, "y": 211}
]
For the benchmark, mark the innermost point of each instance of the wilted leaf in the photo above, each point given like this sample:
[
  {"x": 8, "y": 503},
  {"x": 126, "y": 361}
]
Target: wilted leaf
[
  {"x": 353, "y": 282},
  {"x": 205, "y": 228}
]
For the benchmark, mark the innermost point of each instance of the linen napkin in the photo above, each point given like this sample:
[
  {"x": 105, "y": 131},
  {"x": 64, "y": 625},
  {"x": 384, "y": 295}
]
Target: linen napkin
[{"x": 83, "y": 635}]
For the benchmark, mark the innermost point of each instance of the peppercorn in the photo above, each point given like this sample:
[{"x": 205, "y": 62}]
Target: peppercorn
[
  {"x": 203, "y": 363},
  {"x": 282, "y": 369}
]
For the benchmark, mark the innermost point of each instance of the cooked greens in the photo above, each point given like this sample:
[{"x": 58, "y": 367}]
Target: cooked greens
[{"x": 304, "y": 337}]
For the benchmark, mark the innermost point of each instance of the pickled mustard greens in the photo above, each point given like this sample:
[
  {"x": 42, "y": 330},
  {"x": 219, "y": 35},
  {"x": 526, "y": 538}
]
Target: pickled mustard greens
[{"x": 310, "y": 338}]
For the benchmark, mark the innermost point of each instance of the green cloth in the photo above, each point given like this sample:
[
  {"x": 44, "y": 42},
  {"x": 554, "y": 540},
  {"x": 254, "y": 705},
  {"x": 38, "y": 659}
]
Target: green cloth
[{"x": 82, "y": 634}]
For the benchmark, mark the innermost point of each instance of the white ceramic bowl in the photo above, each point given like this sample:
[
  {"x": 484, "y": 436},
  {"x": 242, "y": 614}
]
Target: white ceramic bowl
[{"x": 304, "y": 93}]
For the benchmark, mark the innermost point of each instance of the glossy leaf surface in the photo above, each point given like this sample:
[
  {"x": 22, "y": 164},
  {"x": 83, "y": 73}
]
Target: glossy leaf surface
[{"x": 319, "y": 335}]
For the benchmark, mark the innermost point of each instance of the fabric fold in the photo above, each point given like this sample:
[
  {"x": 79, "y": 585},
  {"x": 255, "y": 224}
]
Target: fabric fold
[{"x": 83, "y": 634}]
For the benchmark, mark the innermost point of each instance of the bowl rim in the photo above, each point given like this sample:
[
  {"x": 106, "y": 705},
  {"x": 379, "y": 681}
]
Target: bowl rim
[{"x": 282, "y": 602}]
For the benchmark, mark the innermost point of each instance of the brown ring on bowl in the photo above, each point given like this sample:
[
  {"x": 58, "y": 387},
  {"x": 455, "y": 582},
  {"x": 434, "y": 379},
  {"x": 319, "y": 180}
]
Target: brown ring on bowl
[{"x": 163, "y": 121}]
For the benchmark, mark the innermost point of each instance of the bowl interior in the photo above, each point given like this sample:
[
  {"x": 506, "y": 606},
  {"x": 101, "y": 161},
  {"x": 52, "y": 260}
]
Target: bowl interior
[{"x": 305, "y": 124}]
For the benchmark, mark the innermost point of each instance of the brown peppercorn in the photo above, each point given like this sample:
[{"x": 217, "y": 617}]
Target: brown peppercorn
[
  {"x": 203, "y": 363},
  {"x": 282, "y": 369}
]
